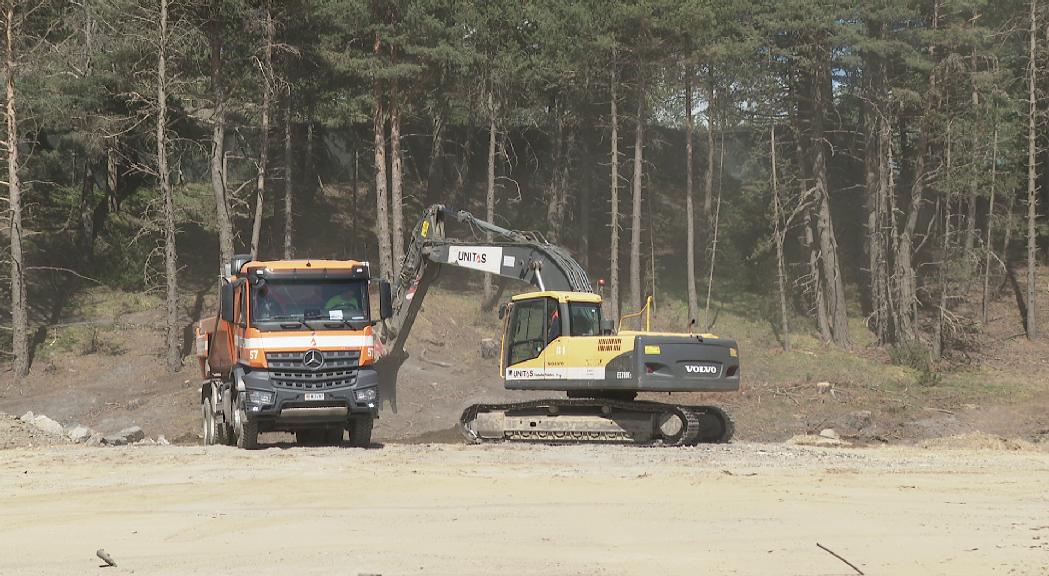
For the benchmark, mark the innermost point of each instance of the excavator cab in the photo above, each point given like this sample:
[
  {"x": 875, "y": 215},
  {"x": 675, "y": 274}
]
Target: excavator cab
[{"x": 543, "y": 332}]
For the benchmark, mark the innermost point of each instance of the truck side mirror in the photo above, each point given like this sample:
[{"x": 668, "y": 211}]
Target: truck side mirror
[
  {"x": 226, "y": 302},
  {"x": 608, "y": 327},
  {"x": 502, "y": 311},
  {"x": 385, "y": 300}
]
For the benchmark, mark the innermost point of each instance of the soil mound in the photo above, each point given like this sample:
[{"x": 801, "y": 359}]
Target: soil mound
[{"x": 980, "y": 441}]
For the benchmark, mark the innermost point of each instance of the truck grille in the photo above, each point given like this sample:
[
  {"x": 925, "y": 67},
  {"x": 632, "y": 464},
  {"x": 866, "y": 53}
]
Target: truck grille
[{"x": 289, "y": 370}]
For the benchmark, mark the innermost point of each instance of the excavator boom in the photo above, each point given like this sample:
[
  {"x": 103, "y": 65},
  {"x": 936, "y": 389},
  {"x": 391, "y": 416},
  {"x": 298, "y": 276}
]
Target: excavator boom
[{"x": 515, "y": 255}]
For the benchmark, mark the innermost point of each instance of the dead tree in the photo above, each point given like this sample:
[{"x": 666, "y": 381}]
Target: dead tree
[
  {"x": 289, "y": 188},
  {"x": 613, "y": 274},
  {"x": 382, "y": 226},
  {"x": 635, "y": 226},
  {"x": 19, "y": 304},
  {"x": 690, "y": 215},
  {"x": 396, "y": 180},
  {"x": 489, "y": 197},
  {"x": 266, "y": 65},
  {"x": 1031, "y": 325},
  {"x": 171, "y": 340},
  {"x": 223, "y": 220},
  {"x": 778, "y": 233}
]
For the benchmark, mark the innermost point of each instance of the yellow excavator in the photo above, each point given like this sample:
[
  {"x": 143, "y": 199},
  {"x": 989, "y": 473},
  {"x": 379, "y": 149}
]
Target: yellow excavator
[{"x": 555, "y": 338}]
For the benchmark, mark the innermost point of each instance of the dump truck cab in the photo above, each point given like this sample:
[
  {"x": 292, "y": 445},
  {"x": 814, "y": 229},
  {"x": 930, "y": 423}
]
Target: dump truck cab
[{"x": 292, "y": 349}]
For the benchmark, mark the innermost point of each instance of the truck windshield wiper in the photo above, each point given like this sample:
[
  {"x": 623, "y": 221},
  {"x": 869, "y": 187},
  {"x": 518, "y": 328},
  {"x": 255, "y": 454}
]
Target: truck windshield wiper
[
  {"x": 351, "y": 324},
  {"x": 289, "y": 320}
]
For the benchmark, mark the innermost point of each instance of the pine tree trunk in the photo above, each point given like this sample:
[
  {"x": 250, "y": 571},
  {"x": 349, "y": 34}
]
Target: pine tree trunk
[
  {"x": 289, "y": 214},
  {"x": 886, "y": 220},
  {"x": 309, "y": 166},
  {"x": 223, "y": 220},
  {"x": 396, "y": 181},
  {"x": 19, "y": 303},
  {"x": 777, "y": 234},
  {"x": 690, "y": 216},
  {"x": 1032, "y": 179},
  {"x": 581, "y": 218},
  {"x": 435, "y": 169},
  {"x": 707, "y": 323},
  {"x": 382, "y": 203},
  {"x": 816, "y": 275},
  {"x": 876, "y": 195},
  {"x": 906, "y": 318},
  {"x": 635, "y": 226},
  {"x": 988, "y": 246},
  {"x": 264, "y": 138},
  {"x": 462, "y": 173},
  {"x": 906, "y": 285},
  {"x": 555, "y": 191},
  {"x": 970, "y": 222},
  {"x": 808, "y": 238},
  {"x": 887, "y": 159},
  {"x": 835, "y": 288},
  {"x": 171, "y": 340},
  {"x": 489, "y": 197},
  {"x": 708, "y": 184},
  {"x": 613, "y": 265},
  {"x": 354, "y": 193},
  {"x": 938, "y": 348},
  {"x": 87, "y": 209}
]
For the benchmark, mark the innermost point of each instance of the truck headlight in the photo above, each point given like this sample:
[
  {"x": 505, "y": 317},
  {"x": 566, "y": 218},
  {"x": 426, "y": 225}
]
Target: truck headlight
[
  {"x": 366, "y": 395},
  {"x": 262, "y": 397}
]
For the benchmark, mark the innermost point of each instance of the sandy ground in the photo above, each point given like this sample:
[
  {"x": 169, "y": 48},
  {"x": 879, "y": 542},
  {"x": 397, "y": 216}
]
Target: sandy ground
[{"x": 446, "y": 509}]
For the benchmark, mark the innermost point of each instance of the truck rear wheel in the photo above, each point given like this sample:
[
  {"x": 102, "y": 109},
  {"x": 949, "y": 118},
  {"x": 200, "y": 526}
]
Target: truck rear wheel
[
  {"x": 361, "y": 431},
  {"x": 223, "y": 431},
  {"x": 207, "y": 415}
]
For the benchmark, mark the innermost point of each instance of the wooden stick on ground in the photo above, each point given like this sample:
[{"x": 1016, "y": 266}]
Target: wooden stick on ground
[
  {"x": 105, "y": 557},
  {"x": 835, "y": 554}
]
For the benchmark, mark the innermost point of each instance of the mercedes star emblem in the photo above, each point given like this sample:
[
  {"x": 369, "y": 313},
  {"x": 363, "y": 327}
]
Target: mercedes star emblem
[{"x": 313, "y": 359}]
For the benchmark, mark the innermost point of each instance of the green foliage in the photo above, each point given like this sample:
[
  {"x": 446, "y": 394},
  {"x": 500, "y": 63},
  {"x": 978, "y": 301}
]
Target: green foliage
[
  {"x": 913, "y": 354},
  {"x": 86, "y": 77}
]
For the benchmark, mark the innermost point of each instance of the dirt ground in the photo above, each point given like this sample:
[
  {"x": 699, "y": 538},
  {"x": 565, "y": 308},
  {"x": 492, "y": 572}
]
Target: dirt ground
[
  {"x": 522, "y": 509},
  {"x": 110, "y": 376}
]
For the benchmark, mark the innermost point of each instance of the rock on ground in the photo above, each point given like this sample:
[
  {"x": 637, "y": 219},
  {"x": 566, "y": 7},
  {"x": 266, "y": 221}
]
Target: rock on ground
[
  {"x": 45, "y": 424},
  {"x": 829, "y": 433},
  {"x": 813, "y": 440},
  {"x": 125, "y": 436},
  {"x": 79, "y": 434}
]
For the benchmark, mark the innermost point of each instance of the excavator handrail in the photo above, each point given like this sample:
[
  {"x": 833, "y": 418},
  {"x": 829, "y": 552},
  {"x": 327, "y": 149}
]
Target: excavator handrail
[{"x": 648, "y": 318}]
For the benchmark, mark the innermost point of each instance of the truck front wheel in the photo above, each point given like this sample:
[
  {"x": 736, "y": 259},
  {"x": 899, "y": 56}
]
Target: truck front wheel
[
  {"x": 361, "y": 431},
  {"x": 247, "y": 430}
]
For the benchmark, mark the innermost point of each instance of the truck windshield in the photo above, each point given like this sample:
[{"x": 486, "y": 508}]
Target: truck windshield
[{"x": 304, "y": 300}]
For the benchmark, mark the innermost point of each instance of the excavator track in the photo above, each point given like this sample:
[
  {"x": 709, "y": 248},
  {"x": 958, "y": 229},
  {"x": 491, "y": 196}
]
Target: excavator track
[{"x": 596, "y": 420}]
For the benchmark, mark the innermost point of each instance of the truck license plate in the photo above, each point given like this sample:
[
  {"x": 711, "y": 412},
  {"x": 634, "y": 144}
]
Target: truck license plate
[{"x": 315, "y": 395}]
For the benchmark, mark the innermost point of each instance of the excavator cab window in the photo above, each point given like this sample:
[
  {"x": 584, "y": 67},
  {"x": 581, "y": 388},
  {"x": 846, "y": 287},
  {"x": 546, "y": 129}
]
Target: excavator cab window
[
  {"x": 585, "y": 318},
  {"x": 530, "y": 328}
]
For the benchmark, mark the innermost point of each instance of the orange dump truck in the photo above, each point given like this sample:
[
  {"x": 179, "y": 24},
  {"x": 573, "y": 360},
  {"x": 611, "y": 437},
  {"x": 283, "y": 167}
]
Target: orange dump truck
[{"x": 292, "y": 349}]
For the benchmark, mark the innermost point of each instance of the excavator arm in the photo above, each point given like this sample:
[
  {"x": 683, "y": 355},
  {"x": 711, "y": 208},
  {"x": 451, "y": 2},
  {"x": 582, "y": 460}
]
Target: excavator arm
[{"x": 492, "y": 249}]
